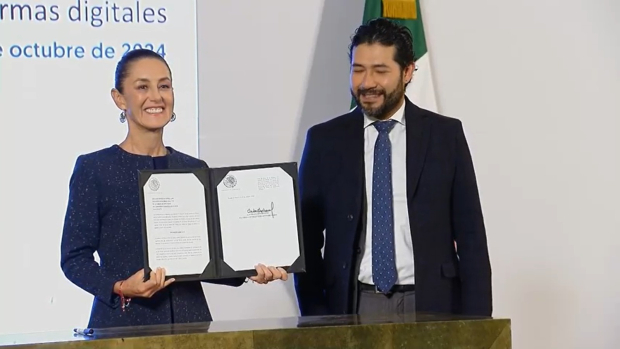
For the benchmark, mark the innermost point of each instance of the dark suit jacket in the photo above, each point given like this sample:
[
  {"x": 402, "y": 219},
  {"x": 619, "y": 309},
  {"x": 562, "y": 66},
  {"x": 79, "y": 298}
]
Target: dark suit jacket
[
  {"x": 443, "y": 206},
  {"x": 103, "y": 216}
]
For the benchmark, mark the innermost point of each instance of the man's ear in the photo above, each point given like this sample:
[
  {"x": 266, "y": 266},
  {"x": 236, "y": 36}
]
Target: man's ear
[
  {"x": 118, "y": 99},
  {"x": 408, "y": 73}
]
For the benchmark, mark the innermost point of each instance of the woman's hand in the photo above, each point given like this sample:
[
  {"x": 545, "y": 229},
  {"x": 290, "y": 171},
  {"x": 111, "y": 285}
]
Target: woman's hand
[
  {"x": 268, "y": 274},
  {"x": 135, "y": 286}
]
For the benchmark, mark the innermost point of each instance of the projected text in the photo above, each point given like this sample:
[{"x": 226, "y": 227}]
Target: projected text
[{"x": 93, "y": 14}]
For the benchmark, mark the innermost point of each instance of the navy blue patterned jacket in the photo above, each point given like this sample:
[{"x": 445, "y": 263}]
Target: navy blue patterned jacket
[{"x": 103, "y": 216}]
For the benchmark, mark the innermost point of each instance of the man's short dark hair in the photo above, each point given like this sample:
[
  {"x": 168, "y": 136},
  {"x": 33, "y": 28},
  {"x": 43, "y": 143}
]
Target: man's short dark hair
[{"x": 387, "y": 33}]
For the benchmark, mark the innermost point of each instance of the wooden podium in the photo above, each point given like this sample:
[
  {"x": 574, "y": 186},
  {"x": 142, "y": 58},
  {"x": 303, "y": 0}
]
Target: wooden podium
[{"x": 421, "y": 330}]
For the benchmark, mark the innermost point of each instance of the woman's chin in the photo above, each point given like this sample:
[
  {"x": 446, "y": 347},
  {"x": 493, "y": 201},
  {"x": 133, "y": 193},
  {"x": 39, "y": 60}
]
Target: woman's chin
[{"x": 154, "y": 125}]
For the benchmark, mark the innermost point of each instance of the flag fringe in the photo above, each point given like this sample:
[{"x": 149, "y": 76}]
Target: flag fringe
[{"x": 401, "y": 9}]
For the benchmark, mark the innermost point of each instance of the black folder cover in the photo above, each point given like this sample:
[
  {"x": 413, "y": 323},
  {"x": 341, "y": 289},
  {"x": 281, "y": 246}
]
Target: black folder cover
[{"x": 217, "y": 268}]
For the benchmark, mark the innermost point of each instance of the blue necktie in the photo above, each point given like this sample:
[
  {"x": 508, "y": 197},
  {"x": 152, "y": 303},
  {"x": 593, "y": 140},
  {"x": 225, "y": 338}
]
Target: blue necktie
[{"x": 383, "y": 257}]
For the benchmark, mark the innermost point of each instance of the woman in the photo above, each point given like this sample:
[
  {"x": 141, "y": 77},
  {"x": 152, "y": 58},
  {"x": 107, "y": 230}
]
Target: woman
[{"x": 103, "y": 213}]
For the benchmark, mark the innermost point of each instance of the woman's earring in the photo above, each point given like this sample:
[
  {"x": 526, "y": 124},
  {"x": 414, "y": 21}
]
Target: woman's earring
[
  {"x": 122, "y": 117},
  {"x": 174, "y": 117}
]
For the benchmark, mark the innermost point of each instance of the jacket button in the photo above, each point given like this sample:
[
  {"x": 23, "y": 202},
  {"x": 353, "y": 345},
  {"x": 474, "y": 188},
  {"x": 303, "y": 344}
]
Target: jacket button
[
  {"x": 344, "y": 266},
  {"x": 350, "y": 217},
  {"x": 358, "y": 250}
]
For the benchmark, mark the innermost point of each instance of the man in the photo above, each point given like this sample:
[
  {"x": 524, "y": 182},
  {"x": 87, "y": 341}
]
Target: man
[{"x": 393, "y": 187}]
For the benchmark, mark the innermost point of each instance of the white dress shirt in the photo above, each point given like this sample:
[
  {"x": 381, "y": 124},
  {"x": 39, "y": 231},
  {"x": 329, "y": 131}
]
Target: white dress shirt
[{"x": 402, "y": 232}]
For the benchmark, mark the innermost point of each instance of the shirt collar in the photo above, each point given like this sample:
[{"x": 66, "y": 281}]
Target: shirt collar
[{"x": 399, "y": 116}]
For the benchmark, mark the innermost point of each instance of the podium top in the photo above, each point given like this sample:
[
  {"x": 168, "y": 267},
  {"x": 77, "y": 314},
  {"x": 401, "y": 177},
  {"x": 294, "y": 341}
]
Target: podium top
[{"x": 268, "y": 324}]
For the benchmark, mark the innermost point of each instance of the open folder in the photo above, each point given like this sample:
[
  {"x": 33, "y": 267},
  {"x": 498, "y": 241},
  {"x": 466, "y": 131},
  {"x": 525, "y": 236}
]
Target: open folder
[{"x": 202, "y": 224}]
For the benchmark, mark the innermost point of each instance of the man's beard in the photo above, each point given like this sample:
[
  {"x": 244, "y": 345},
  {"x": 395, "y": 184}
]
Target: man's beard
[{"x": 390, "y": 100}]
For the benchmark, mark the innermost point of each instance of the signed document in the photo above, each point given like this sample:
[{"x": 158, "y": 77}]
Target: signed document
[
  {"x": 213, "y": 223},
  {"x": 258, "y": 221},
  {"x": 176, "y": 221}
]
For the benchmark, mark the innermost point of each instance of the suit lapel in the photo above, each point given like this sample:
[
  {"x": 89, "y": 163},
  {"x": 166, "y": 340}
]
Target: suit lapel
[
  {"x": 418, "y": 135},
  {"x": 353, "y": 155}
]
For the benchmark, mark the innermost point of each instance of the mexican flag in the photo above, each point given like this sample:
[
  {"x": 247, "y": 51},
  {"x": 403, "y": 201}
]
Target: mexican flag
[{"x": 407, "y": 12}]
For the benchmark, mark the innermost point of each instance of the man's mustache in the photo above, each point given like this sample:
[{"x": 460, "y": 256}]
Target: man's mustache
[{"x": 370, "y": 91}]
